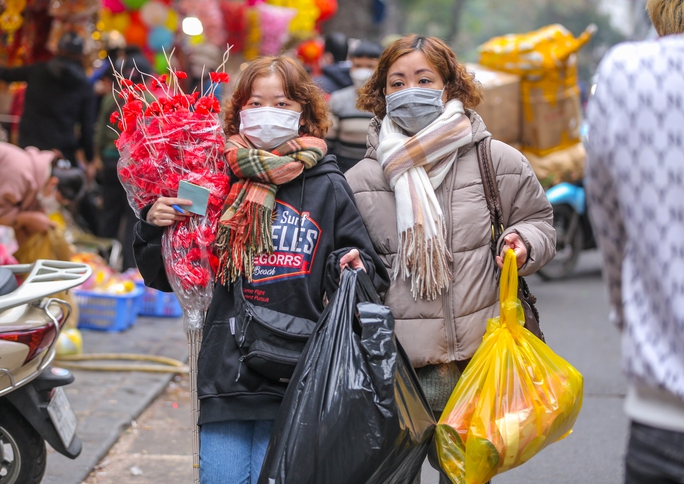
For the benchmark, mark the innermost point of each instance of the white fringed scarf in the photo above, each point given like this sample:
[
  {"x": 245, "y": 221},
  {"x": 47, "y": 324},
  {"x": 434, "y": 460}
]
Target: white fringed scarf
[{"x": 414, "y": 167}]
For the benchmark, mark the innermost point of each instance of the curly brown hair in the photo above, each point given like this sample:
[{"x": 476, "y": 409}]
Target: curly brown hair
[
  {"x": 297, "y": 86},
  {"x": 458, "y": 82}
]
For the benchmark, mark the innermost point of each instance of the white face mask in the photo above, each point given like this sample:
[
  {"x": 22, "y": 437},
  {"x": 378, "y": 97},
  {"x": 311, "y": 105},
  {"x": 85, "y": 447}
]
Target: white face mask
[
  {"x": 48, "y": 202},
  {"x": 360, "y": 75},
  {"x": 268, "y": 128}
]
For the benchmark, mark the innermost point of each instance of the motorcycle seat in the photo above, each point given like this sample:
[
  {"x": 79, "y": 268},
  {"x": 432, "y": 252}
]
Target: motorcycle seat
[{"x": 8, "y": 282}]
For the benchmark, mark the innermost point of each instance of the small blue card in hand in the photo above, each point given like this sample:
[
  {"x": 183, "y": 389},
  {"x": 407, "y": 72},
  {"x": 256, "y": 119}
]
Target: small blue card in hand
[{"x": 199, "y": 196}]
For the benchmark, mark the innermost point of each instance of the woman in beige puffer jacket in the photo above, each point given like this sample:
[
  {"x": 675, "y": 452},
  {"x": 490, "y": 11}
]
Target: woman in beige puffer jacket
[{"x": 445, "y": 287}]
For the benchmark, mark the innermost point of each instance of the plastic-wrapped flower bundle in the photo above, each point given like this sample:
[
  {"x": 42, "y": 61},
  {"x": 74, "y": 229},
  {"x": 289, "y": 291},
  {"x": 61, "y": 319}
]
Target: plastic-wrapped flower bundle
[{"x": 168, "y": 136}]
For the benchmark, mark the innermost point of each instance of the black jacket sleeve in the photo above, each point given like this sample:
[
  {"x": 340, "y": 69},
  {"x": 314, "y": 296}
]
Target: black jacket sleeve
[
  {"x": 147, "y": 248},
  {"x": 15, "y": 74},
  {"x": 350, "y": 233}
]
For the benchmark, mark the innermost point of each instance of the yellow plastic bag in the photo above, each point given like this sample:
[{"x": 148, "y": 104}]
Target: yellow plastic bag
[{"x": 515, "y": 397}]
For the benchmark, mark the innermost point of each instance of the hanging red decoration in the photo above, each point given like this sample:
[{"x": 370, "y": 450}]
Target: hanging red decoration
[{"x": 328, "y": 9}]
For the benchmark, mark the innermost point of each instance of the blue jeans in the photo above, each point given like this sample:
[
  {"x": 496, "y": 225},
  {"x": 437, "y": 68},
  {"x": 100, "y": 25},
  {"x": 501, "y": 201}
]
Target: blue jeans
[
  {"x": 233, "y": 451},
  {"x": 654, "y": 456}
]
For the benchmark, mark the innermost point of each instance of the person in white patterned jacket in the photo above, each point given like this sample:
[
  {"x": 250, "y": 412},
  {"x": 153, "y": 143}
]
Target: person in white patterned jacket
[{"x": 635, "y": 188}]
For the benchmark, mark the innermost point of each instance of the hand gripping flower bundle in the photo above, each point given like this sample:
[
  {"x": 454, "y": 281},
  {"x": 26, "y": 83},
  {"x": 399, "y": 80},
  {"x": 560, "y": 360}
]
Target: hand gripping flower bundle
[{"x": 168, "y": 136}]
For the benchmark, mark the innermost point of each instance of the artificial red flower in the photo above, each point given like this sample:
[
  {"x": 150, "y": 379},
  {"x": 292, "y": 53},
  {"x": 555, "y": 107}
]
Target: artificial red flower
[
  {"x": 181, "y": 75},
  {"x": 154, "y": 109},
  {"x": 219, "y": 77},
  {"x": 114, "y": 117},
  {"x": 207, "y": 104}
]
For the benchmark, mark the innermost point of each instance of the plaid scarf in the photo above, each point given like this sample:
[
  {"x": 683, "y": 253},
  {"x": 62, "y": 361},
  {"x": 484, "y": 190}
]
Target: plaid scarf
[
  {"x": 415, "y": 167},
  {"x": 244, "y": 229}
]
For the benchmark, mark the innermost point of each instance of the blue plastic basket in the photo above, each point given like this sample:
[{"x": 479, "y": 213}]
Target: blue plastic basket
[
  {"x": 160, "y": 304},
  {"x": 108, "y": 312}
]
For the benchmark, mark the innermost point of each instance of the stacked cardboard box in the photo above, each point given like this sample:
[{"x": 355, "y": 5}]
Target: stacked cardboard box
[
  {"x": 547, "y": 64},
  {"x": 500, "y": 109}
]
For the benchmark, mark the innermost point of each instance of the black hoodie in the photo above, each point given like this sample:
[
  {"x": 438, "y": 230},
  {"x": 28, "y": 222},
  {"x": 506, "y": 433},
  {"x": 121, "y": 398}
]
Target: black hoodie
[
  {"x": 58, "y": 97},
  {"x": 291, "y": 281}
]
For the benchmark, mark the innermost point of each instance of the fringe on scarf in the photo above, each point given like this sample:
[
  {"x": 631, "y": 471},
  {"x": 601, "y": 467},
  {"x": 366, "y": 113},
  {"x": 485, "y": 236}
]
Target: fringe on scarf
[
  {"x": 426, "y": 261},
  {"x": 236, "y": 254}
]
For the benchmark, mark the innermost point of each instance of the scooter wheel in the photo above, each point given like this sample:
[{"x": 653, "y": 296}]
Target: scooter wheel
[
  {"x": 22, "y": 449},
  {"x": 568, "y": 243}
]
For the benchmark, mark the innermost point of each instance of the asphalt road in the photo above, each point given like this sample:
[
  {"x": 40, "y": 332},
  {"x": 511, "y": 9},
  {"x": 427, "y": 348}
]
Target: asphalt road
[{"x": 574, "y": 318}]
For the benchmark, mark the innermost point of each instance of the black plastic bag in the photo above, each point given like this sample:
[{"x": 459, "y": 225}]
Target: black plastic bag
[{"x": 354, "y": 411}]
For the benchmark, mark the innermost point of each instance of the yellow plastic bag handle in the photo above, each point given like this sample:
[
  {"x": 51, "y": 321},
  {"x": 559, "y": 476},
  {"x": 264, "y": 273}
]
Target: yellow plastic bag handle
[{"x": 512, "y": 315}]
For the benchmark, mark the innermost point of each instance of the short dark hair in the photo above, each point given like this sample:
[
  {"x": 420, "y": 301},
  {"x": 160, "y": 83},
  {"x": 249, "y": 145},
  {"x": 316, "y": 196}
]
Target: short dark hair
[
  {"x": 366, "y": 48},
  {"x": 70, "y": 182},
  {"x": 71, "y": 45},
  {"x": 336, "y": 44}
]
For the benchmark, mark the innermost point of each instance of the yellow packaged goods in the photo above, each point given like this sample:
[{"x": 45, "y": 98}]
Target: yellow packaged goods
[
  {"x": 500, "y": 108},
  {"x": 565, "y": 165},
  {"x": 546, "y": 61},
  {"x": 515, "y": 397},
  {"x": 532, "y": 53}
]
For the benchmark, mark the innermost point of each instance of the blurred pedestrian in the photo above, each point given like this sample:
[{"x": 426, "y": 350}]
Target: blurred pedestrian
[
  {"x": 347, "y": 136},
  {"x": 421, "y": 197},
  {"x": 58, "y": 103},
  {"x": 635, "y": 188},
  {"x": 284, "y": 185},
  {"x": 34, "y": 183},
  {"x": 203, "y": 59},
  {"x": 335, "y": 75},
  {"x": 117, "y": 220}
]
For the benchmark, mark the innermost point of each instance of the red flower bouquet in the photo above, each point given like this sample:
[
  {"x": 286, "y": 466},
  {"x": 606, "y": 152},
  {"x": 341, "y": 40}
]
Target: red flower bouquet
[{"x": 168, "y": 136}]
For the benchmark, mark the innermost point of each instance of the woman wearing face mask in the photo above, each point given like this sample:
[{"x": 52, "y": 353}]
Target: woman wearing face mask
[
  {"x": 421, "y": 197},
  {"x": 289, "y": 217},
  {"x": 347, "y": 136}
]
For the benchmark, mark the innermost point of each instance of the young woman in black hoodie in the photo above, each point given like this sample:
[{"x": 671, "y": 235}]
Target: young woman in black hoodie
[{"x": 290, "y": 215}]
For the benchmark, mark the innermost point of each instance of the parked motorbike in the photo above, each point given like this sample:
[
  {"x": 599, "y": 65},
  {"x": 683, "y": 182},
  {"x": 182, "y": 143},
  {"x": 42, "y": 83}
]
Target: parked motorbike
[
  {"x": 573, "y": 229},
  {"x": 33, "y": 406}
]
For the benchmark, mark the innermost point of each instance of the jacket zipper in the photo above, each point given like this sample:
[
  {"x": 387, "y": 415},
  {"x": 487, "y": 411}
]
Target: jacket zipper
[
  {"x": 252, "y": 317},
  {"x": 271, "y": 357}
]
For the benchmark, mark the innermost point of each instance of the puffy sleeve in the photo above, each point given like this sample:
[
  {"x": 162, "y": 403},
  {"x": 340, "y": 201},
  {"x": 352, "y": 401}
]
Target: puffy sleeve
[{"x": 529, "y": 212}]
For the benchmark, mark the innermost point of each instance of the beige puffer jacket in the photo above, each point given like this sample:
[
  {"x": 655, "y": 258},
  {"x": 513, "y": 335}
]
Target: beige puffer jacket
[{"x": 451, "y": 327}]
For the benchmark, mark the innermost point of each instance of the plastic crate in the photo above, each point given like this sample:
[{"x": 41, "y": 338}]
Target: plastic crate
[
  {"x": 160, "y": 304},
  {"x": 108, "y": 312}
]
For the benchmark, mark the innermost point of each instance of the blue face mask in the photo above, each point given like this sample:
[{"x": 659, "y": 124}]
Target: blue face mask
[{"x": 413, "y": 109}]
